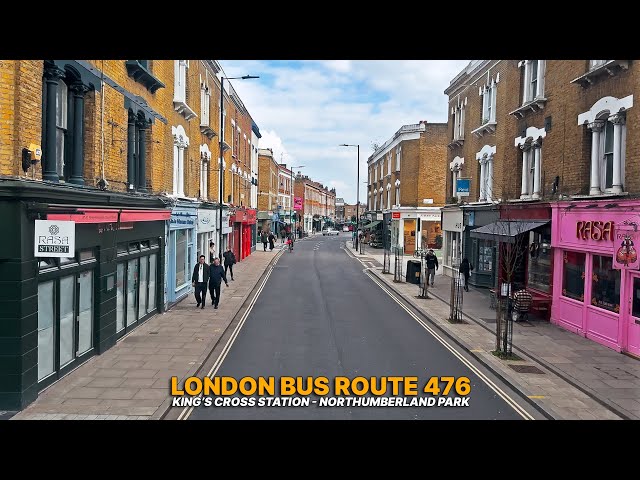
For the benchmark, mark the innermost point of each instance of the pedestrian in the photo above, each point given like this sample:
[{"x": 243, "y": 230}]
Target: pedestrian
[
  {"x": 272, "y": 240},
  {"x": 283, "y": 234},
  {"x": 212, "y": 251},
  {"x": 465, "y": 269},
  {"x": 216, "y": 275},
  {"x": 432, "y": 266},
  {"x": 264, "y": 238},
  {"x": 229, "y": 261},
  {"x": 199, "y": 280}
]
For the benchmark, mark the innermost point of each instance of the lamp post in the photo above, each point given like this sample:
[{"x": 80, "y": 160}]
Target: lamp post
[
  {"x": 355, "y": 245},
  {"x": 293, "y": 225},
  {"x": 221, "y": 146}
]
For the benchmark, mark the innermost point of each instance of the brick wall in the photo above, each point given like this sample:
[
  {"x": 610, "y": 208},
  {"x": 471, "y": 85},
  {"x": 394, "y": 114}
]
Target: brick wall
[{"x": 432, "y": 177}]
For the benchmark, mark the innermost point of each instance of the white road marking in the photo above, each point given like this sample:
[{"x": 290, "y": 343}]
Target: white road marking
[
  {"x": 216, "y": 366},
  {"x": 522, "y": 412}
]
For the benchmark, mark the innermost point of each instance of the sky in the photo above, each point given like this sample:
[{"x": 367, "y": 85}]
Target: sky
[{"x": 306, "y": 108}]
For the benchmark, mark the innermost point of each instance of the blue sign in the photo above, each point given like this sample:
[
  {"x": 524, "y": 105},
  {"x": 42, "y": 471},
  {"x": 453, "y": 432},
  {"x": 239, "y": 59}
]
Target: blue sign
[{"x": 463, "y": 185}]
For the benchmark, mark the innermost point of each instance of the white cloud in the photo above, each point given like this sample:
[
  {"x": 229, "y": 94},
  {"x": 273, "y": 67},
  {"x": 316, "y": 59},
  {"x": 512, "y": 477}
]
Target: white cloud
[{"x": 306, "y": 109}]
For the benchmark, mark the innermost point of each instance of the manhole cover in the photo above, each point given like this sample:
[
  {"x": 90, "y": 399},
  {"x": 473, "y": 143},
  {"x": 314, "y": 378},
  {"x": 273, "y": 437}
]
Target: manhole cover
[{"x": 526, "y": 369}]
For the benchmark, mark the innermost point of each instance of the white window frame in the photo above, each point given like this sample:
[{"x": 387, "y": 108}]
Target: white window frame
[
  {"x": 489, "y": 103},
  {"x": 180, "y": 143},
  {"x": 529, "y": 95},
  {"x": 398, "y": 156},
  {"x": 389, "y": 161},
  {"x": 205, "y": 162},
  {"x": 180, "y": 84},
  {"x": 375, "y": 200},
  {"x": 62, "y": 126},
  {"x": 388, "y": 195},
  {"x": 458, "y": 122},
  {"x": 205, "y": 102}
]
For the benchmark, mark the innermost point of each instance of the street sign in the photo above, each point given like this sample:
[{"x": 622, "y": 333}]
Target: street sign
[{"x": 463, "y": 185}]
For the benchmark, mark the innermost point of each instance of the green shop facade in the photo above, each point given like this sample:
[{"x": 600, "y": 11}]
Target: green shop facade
[{"x": 56, "y": 312}]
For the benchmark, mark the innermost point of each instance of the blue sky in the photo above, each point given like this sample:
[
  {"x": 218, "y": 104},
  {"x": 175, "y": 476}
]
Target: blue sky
[{"x": 306, "y": 108}]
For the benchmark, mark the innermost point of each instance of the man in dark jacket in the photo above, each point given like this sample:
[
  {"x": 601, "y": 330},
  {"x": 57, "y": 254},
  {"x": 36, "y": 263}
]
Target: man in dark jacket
[
  {"x": 465, "y": 270},
  {"x": 264, "y": 239},
  {"x": 216, "y": 275},
  {"x": 432, "y": 266},
  {"x": 229, "y": 261},
  {"x": 199, "y": 280}
]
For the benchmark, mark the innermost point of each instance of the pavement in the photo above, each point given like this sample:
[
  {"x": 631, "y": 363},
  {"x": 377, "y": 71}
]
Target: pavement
[
  {"x": 563, "y": 374},
  {"x": 130, "y": 381}
]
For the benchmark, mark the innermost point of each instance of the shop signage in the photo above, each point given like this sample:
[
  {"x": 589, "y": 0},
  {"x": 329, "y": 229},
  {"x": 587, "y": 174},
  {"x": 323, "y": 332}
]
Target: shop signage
[
  {"x": 625, "y": 252},
  {"x": 297, "y": 203},
  {"x": 395, "y": 214},
  {"x": 54, "y": 238},
  {"x": 463, "y": 186},
  {"x": 594, "y": 230},
  {"x": 206, "y": 220},
  {"x": 182, "y": 220},
  {"x": 379, "y": 216}
]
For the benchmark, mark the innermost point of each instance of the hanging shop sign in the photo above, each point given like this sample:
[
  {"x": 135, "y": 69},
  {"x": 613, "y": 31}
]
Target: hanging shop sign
[{"x": 54, "y": 238}]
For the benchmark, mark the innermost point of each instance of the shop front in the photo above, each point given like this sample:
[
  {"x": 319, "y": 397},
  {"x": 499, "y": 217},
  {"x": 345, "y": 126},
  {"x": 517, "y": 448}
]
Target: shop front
[
  {"x": 242, "y": 237},
  {"x": 416, "y": 228},
  {"x": 207, "y": 231},
  {"x": 453, "y": 229},
  {"x": 182, "y": 247},
  {"x": 596, "y": 288},
  {"x": 60, "y": 306},
  {"x": 481, "y": 252}
]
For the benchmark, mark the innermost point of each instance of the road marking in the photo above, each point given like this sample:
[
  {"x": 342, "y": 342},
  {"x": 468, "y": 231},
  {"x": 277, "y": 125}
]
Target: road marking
[
  {"x": 216, "y": 366},
  {"x": 522, "y": 412},
  {"x": 536, "y": 396}
]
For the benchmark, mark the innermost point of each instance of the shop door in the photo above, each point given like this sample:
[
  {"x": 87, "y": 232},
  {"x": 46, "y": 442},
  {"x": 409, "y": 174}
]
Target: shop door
[
  {"x": 236, "y": 241},
  {"x": 633, "y": 322},
  {"x": 246, "y": 240}
]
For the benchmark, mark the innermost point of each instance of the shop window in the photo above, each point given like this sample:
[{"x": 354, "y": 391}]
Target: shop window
[
  {"x": 122, "y": 249},
  {"x": 67, "y": 260},
  {"x": 605, "y": 284},
  {"x": 636, "y": 297},
  {"x": 88, "y": 254},
  {"x": 46, "y": 317},
  {"x": 134, "y": 247},
  {"x": 485, "y": 255},
  {"x": 181, "y": 260},
  {"x": 144, "y": 244},
  {"x": 540, "y": 261},
  {"x": 573, "y": 275}
]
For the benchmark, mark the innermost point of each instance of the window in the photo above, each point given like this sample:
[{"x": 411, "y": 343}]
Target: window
[
  {"x": 533, "y": 80},
  {"x": 485, "y": 255},
  {"x": 375, "y": 199},
  {"x": 136, "y": 151},
  {"x": 607, "y": 121},
  {"x": 205, "y": 160},
  {"x": 63, "y": 132},
  {"x": 181, "y": 90},
  {"x": 458, "y": 122},
  {"x": 181, "y": 258},
  {"x": 388, "y": 196},
  {"x": 605, "y": 284},
  {"x": 485, "y": 157},
  {"x": 573, "y": 275},
  {"x": 398, "y": 195},
  {"x": 205, "y": 101},
  {"x": 540, "y": 260},
  {"x": 375, "y": 173},
  {"x": 180, "y": 143},
  {"x": 398, "y": 155},
  {"x": 489, "y": 103},
  {"x": 389, "y": 157}
]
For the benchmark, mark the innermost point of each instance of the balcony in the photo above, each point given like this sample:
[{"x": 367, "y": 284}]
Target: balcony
[
  {"x": 605, "y": 70},
  {"x": 141, "y": 75}
]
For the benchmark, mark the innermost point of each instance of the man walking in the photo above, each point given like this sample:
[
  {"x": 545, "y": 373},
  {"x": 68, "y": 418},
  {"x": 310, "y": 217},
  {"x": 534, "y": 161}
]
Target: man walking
[
  {"x": 432, "y": 266},
  {"x": 216, "y": 275},
  {"x": 229, "y": 261},
  {"x": 272, "y": 240},
  {"x": 199, "y": 280},
  {"x": 264, "y": 239}
]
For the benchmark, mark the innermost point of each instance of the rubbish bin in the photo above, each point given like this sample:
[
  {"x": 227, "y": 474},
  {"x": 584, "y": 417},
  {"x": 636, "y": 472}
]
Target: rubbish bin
[{"x": 413, "y": 271}]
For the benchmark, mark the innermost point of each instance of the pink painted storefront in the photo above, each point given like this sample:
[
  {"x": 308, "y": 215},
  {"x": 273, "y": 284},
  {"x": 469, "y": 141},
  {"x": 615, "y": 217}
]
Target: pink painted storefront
[{"x": 590, "y": 296}]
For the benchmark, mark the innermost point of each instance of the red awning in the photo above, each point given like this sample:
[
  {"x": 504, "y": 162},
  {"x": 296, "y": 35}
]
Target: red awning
[{"x": 99, "y": 215}]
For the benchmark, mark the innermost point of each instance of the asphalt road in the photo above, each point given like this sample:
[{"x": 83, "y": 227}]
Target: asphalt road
[{"x": 320, "y": 315}]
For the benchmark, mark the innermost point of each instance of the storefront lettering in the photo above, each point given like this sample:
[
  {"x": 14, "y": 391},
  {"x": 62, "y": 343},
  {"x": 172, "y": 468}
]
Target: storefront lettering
[
  {"x": 112, "y": 227},
  {"x": 595, "y": 230}
]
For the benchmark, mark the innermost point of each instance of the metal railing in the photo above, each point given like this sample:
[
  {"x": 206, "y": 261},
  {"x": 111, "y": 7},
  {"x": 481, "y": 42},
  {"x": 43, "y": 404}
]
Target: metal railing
[{"x": 397, "y": 270}]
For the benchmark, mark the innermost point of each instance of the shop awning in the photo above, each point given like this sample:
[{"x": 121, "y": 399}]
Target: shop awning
[
  {"x": 506, "y": 230},
  {"x": 372, "y": 224}
]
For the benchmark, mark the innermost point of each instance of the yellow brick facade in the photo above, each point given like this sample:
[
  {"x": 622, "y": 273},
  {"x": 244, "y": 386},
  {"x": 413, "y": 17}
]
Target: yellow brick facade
[
  {"x": 105, "y": 127},
  {"x": 268, "y": 183}
]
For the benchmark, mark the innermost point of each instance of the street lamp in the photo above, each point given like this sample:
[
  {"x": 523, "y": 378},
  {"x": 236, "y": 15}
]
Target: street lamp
[
  {"x": 221, "y": 146},
  {"x": 355, "y": 245},
  {"x": 293, "y": 225}
]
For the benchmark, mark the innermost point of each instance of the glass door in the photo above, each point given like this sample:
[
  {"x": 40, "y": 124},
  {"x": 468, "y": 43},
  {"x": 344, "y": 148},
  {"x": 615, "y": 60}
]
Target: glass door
[
  {"x": 633, "y": 323},
  {"x": 132, "y": 291},
  {"x": 85, "y": 312},
  {"x": 120, "y": 306},
  {"x": 67, "y": 319},
  {"x": 46, "y": 323}
]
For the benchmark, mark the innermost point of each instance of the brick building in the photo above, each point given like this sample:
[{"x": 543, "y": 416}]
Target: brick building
[
  {"x": 351, "y": 212},
  {"x": 318, "y": 204},
  {"x": 268, "y": 190},
  {"x": 406, "y": 186},
  {"x": 116, "y": 156}
]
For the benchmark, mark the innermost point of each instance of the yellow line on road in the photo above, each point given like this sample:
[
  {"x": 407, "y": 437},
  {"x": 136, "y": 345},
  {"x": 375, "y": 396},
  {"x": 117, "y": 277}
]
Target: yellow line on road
[{"x": 536, "y": 396}]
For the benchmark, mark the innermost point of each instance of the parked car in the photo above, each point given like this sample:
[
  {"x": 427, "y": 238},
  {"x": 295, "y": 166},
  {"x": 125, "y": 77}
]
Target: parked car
[{"x": 330, "y": 231}]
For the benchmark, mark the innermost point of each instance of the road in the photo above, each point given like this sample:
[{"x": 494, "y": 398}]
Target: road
[{"x": 321, "y": 315}]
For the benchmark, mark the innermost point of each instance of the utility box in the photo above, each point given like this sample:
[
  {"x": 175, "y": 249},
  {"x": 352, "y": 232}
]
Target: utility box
[{"x": 413, "y": 271}]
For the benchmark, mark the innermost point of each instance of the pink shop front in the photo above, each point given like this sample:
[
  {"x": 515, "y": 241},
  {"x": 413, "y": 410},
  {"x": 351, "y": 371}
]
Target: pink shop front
[{"x": 596, "y": 285}]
